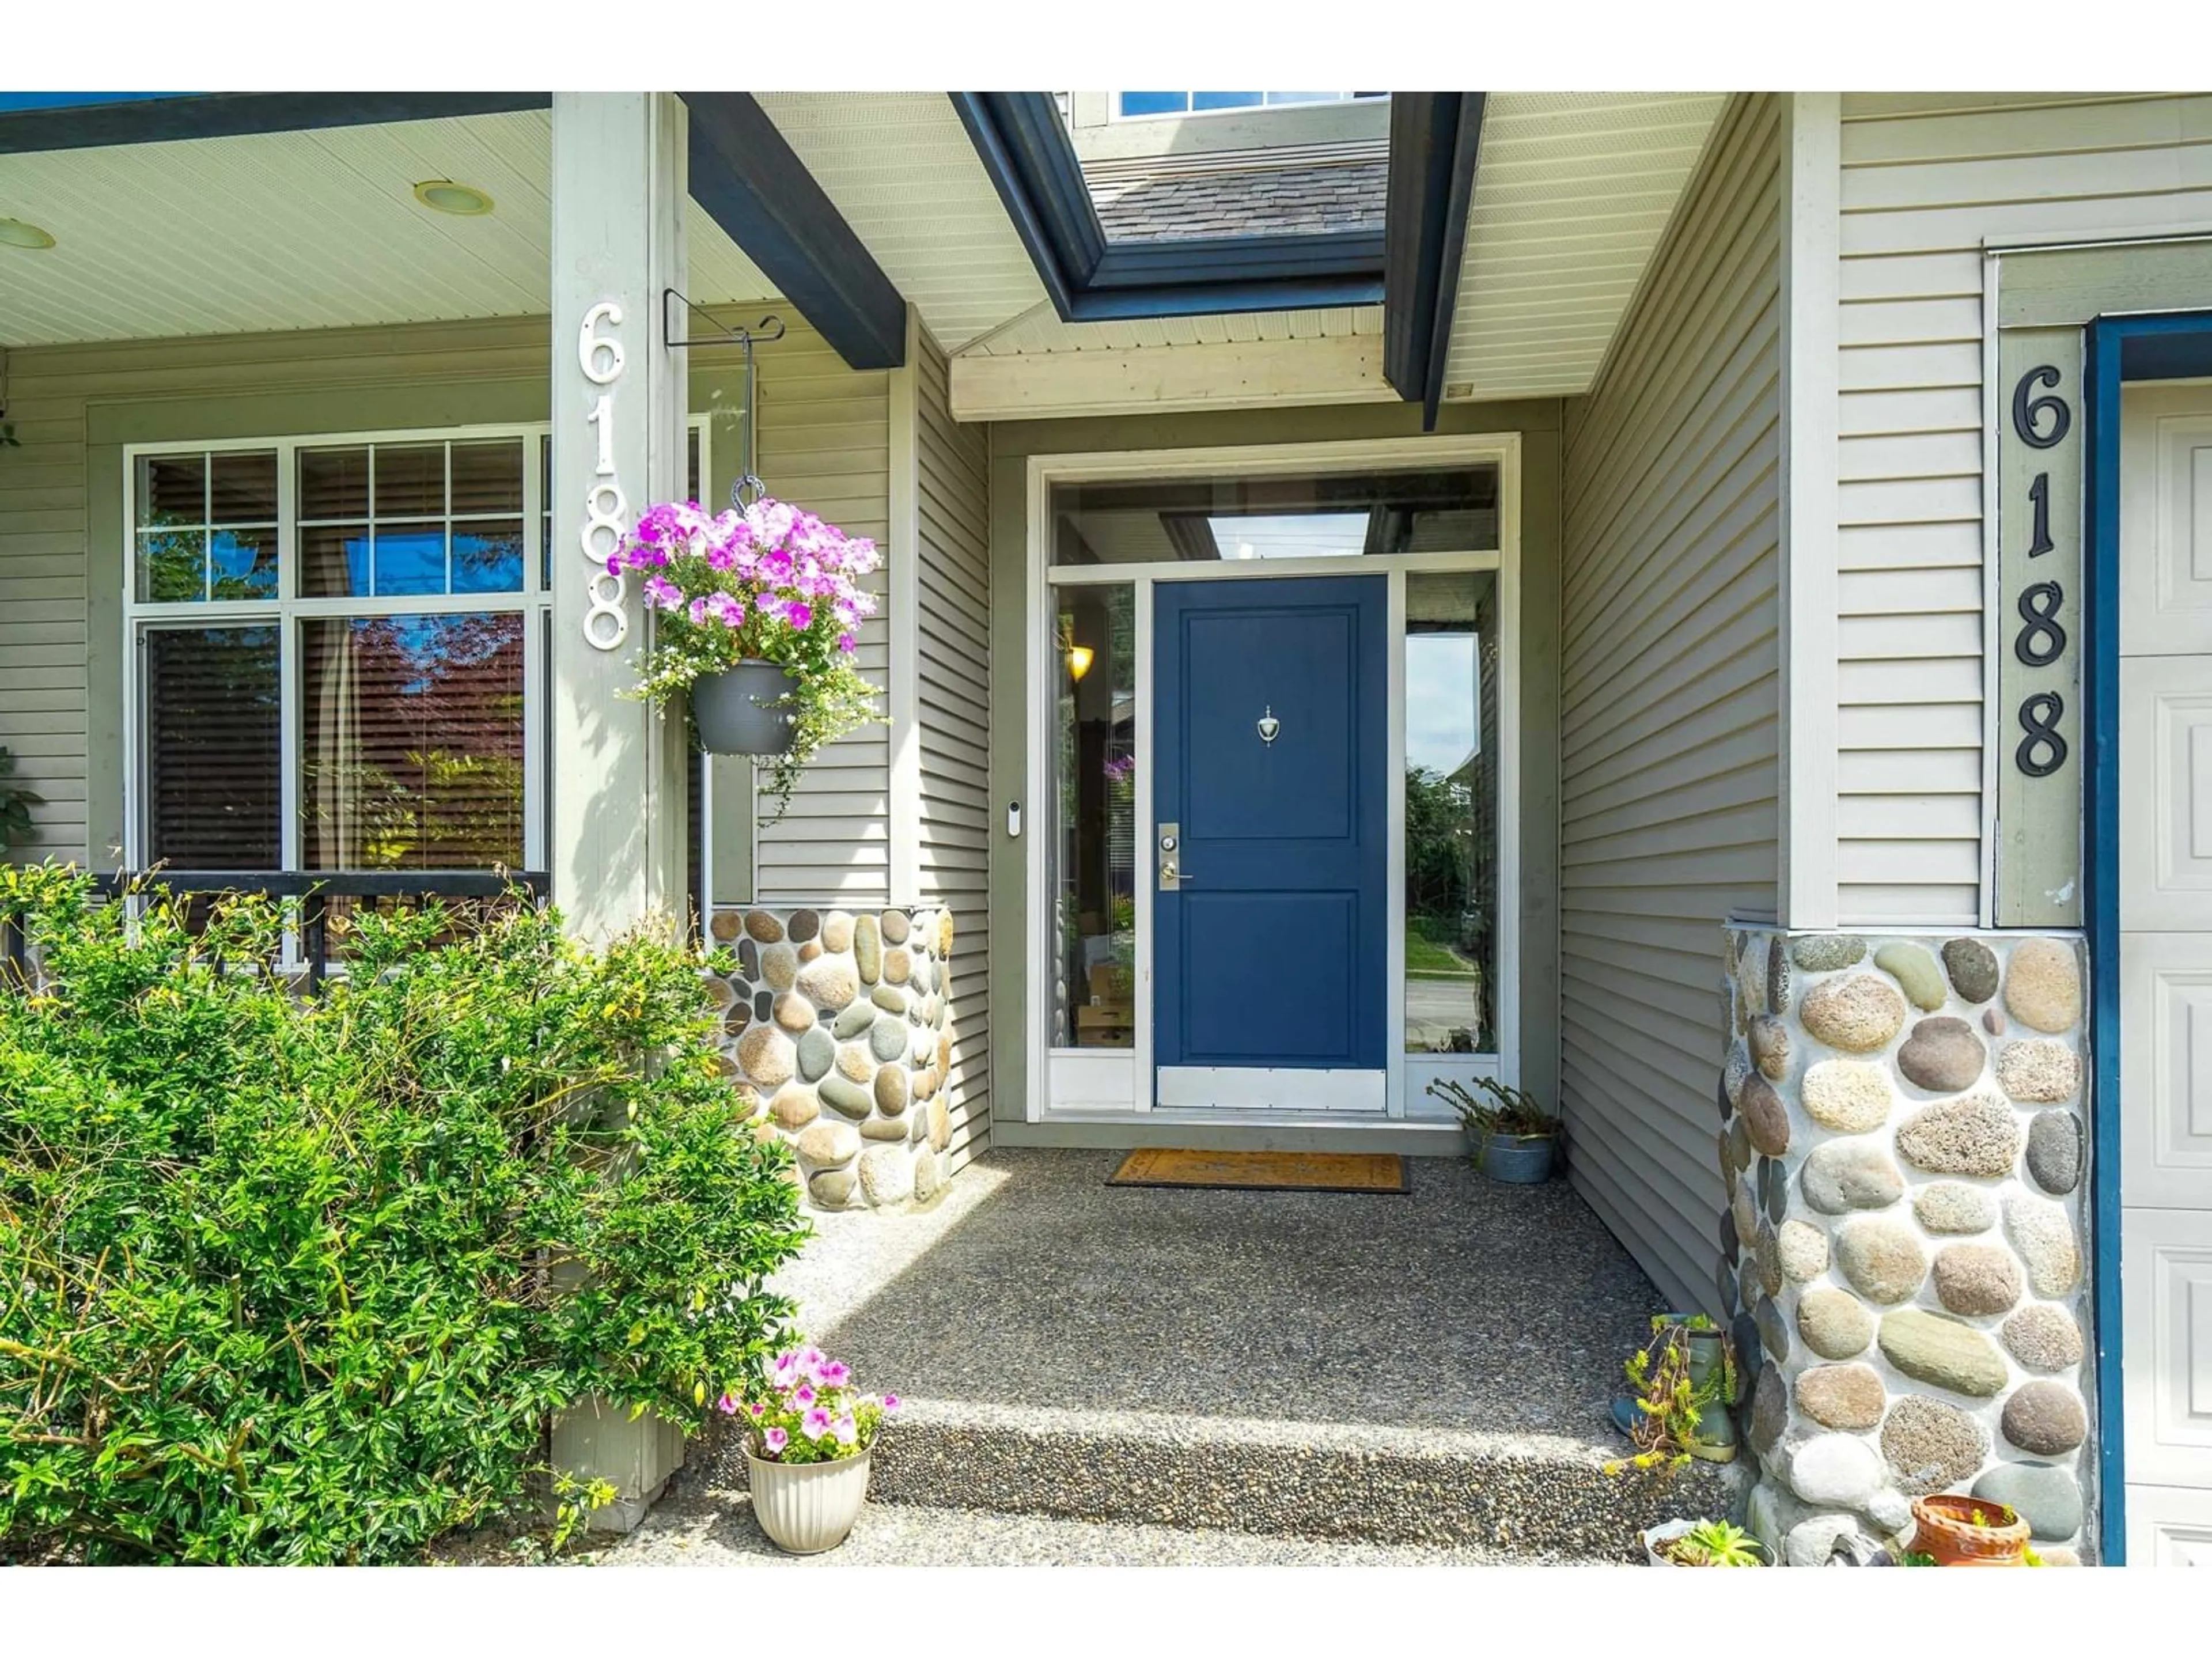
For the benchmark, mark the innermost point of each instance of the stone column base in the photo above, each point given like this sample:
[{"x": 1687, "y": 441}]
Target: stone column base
[
  {"x": 595, "y": 1440},
  {"x": 842, "y": 1025},
  {"x": 1904, "y": 1146}
]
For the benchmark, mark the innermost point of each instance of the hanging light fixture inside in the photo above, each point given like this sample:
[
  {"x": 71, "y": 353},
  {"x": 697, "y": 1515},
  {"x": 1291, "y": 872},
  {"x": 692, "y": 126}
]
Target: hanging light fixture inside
[{"x": 1079, "y": 660}]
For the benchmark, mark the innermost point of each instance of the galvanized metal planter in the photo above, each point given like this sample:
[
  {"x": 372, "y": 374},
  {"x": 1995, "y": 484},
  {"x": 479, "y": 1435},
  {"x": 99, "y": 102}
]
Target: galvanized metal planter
[
  {"x": 734, "y": 712},
  {"x": 1521, "y": 1160},
  {"x": 808, "y": 1507}
]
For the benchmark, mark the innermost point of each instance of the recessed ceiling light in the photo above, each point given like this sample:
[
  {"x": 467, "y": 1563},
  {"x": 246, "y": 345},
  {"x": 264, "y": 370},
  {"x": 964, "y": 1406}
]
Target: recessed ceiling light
[
  {"x": 15, "y": 232},
  {"x": 444, "y": 195}
]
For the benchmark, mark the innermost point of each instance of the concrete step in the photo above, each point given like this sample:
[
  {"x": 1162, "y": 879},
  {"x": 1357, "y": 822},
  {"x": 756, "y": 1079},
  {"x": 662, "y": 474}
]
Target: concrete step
[
  {"x": 1520, "y": 1496},
  {"x": 715, "y": 1529}
]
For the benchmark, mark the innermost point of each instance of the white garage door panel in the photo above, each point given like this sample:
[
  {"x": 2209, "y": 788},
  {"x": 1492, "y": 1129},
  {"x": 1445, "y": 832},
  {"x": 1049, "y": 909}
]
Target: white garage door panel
[
  {"x": 2166, "y": 1071},
  {"x": 2168, "y": 1341},
  {"x": 2166, "y": 598},
  {"x": 2165, "y": 970},
  {"x": 2165, "y": 755},
  {"x": 2169, "y": 1527}
]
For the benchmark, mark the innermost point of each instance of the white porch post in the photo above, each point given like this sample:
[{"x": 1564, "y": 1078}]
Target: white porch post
[
  {"x": 616, "y": 772},
  {"x": 618, "y": 445}
]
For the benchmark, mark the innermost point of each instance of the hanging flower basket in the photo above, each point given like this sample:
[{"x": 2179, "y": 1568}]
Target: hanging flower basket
[
  {"x": 756, "y": 615},
  {"x": 744, "y": 710}
]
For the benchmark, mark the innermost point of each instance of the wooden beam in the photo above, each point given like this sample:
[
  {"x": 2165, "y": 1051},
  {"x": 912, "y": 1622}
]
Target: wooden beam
[
  {"x": 1234, "y": 374},
  {"x": 750, "y": 181},
  {"x": 34, "y": 121}
]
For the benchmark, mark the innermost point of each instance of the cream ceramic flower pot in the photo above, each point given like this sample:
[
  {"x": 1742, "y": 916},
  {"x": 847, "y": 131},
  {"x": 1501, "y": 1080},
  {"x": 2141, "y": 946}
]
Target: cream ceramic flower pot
[{"x": 808, "y": 1507}]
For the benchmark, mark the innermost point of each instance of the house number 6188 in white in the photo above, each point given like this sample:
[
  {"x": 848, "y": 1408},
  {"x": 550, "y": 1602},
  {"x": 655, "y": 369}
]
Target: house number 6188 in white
[{"x": 607, "y": 623}]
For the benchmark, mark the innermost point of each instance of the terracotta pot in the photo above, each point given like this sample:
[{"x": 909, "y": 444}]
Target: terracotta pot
[
  {"x": 1945, "y": 1529},
  {"x": 807, "y": 1508}
]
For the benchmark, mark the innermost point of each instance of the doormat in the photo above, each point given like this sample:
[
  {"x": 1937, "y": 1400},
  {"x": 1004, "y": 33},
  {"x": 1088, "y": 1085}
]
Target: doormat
[{"x": 1264, "y": 1172}]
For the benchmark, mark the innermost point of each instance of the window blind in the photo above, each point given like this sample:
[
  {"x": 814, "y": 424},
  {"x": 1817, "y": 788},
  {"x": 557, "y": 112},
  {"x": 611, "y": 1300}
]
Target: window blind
[{"x": 214, "y": 766}]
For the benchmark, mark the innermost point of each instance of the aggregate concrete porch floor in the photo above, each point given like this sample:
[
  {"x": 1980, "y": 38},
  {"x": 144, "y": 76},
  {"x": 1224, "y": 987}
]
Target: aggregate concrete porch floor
[
  {"x": 1465, "y": 1307},
  {"x": 1097, "y": 1374}
]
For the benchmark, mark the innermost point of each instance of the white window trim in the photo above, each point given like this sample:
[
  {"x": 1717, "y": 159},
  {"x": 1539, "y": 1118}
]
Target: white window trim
[
  {"x": 1403, "y": 1103},
  {"x": 1113, "y": 107},
  {"x": 533, "y": 601}
]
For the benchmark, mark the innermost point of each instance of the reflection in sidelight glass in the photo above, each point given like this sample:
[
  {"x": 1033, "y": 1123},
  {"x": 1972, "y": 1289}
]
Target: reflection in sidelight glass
[
  {"x": 1451, "y": 812},
  {"x": 1095, "y": 847}
]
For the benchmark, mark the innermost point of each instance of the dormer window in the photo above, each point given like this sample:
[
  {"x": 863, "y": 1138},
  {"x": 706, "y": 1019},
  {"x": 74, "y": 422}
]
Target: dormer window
[{"x": 1141, "y": 106}]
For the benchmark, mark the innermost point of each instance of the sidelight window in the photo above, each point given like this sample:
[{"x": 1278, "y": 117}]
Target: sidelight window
[{"x": 1450, "y": 899}]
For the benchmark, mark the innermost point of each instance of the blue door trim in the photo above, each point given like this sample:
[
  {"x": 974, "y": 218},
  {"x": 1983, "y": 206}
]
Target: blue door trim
[{"x": 2120, "y": 350}]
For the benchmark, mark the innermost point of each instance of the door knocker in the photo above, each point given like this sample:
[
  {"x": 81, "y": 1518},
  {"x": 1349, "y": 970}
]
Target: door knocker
[{"x": 1269, "y": 725}]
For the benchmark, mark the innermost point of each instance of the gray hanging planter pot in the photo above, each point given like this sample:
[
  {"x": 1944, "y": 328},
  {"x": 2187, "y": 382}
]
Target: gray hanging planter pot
[{"x": 734, "y": 714}]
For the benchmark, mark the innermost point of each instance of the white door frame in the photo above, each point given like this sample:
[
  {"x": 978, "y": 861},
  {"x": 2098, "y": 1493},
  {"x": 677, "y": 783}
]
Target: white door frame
[{"x": 1095, "y": 1083}]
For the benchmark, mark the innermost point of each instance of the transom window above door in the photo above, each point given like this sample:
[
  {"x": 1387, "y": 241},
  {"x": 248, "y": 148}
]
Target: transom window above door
[{"x": 1156, "y": 520}]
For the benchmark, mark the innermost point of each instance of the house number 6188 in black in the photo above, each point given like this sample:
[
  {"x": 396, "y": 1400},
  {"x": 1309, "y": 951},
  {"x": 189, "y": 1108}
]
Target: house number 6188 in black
[{"x": 2040, "y": 422}]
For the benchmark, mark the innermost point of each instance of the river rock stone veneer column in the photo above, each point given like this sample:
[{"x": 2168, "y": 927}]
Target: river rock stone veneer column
[
  {"x": 839, "y": 1021},
  {"x": 1902, "y": 1144}
]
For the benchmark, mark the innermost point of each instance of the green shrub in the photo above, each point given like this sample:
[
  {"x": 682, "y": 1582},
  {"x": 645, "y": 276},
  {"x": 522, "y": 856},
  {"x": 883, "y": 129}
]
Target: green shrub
[{"x": 300, "y": 1281}]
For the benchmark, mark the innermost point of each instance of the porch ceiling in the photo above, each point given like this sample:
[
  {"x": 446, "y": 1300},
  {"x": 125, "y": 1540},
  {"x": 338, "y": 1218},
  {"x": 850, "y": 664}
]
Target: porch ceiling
[
  {"x": 1570, "y": 195},
  {"x": 295, "y": 230}
]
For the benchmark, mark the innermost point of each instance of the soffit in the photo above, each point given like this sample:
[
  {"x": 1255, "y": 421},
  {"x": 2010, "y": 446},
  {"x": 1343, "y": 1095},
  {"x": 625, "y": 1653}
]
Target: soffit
[
  {"x": 902, "y": 170},
  {"x": 1571, "y": 193},
  {"x": 298, "y": 230}
]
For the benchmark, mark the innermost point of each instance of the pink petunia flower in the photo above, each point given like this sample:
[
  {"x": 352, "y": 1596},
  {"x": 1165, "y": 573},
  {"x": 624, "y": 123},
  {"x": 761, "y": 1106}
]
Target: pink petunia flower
[
  {"x": 834, "y": 1374},
  {"x": 757, "y": 1409},
  {"x": 847, "y": 1430},
  {"x": 815, "y": 1424},
  {"x": 803, "y": 1395},
  {"x": 728, "y": 1405},
  {"x": 774, "y": 1439},
  {"x": 891, "y": 1404}
]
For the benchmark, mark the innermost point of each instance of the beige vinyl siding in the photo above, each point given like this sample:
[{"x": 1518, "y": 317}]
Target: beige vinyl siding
[
  {"x": 1927, "y": 178},
  {"x": 826, "y": 445},
  {"x": 1670, "y": 701},
  {"x": 43, "y": 629},
  {"x": 952, "y": 669}
]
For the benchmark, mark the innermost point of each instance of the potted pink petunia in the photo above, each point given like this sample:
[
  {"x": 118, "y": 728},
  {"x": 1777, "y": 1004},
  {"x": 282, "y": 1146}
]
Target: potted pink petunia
[
  {"x": 808, "y": 1431},
  {"x": 756, "y": 615}
]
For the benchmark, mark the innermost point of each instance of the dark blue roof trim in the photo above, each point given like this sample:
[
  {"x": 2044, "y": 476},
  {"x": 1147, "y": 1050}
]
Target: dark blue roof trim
[
  {"x": 752, "y": 184},
  {"x": 35, "y": 121},
  {"x": 1435, "y": 140},
  {"x": 1031, "y": 162}
]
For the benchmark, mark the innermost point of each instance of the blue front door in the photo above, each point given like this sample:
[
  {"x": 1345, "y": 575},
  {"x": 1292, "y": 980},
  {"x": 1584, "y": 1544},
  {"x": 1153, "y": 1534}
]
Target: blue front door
[{"x": 1272, "y": 731}]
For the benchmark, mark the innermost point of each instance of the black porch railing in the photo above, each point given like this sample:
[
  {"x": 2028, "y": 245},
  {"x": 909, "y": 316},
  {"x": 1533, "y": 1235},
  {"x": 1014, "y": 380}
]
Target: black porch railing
[{"x": 315, "y": 888}]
